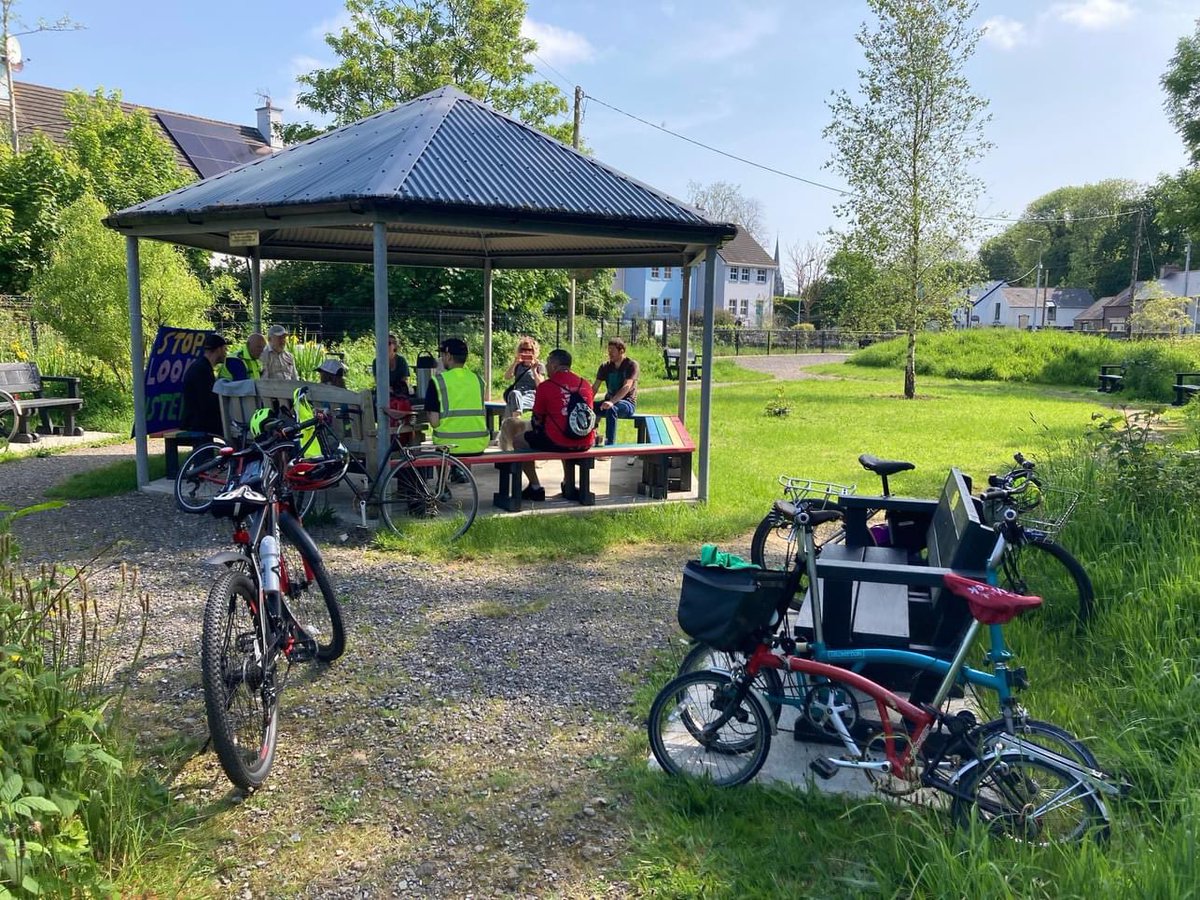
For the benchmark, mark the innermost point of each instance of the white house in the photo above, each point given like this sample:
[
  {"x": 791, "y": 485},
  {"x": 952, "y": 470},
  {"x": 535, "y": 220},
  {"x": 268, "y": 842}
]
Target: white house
[{"x": 1000, "y": 305}]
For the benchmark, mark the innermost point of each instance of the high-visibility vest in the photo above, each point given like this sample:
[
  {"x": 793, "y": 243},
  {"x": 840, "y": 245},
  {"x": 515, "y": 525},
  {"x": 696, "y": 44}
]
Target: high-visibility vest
[
  {"x": 253, "y": 366},
  {"x": 462, "y": 421},
  {"x": 309, "y": 445}
]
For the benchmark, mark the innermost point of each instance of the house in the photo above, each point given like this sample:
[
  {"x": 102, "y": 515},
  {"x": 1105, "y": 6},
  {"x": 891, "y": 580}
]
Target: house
[
  {"x": 1111, "y": 314},
  {"x": 203, "y": 147},
  {"x": 1108, "y": 315},
  {"x": 1000, "y": 305},
  {"x": 745, "y": 285}
]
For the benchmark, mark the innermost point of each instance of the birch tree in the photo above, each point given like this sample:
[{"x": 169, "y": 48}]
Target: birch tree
[{"x": 905, "y": 144}]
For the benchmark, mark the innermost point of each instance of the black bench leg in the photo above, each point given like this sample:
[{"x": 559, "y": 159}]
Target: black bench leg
[
  {"x": 69, "y": 427},
  {"x": 171, "y": 455},
  {"x": 508, "y": 498},
  {"x": 586, "y": 497},
  {"x": 24, "y": 435},
  {"x": 685, "y": 471}
]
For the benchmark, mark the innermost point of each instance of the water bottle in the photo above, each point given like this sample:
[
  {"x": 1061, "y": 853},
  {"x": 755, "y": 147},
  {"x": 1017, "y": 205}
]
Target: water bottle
[{"x": 268, "y": 558}]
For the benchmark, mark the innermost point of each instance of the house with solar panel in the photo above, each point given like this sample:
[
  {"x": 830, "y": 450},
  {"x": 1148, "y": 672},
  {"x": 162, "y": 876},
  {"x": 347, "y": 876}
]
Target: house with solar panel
[
  {"x": 745, "y": 285},
  {"x": 204, "y": 147}
]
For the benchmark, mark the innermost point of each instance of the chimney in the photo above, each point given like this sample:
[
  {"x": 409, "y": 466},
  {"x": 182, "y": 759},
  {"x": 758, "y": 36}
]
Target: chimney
[
  {"x": 270, "y": 120},
  {"x": 1169, "y": 269}
]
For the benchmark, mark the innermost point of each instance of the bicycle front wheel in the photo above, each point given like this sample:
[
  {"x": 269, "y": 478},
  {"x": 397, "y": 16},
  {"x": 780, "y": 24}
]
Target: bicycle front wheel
[
  {"x": 430, "y": 487},
  {"x": 767, "y": 682},
  {"x": 202, "y": 476},
  {"x": 1044, "y": 567},
  {"x": 679, "y": 724},
  {"x": 240, "y": 698},
  {"x": 1031, "y": 801},
  {"x": 308, "y": 591}
]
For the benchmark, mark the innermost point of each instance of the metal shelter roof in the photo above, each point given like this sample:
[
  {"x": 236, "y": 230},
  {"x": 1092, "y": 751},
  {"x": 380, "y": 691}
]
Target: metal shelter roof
[{"x": 456, "y": 183}]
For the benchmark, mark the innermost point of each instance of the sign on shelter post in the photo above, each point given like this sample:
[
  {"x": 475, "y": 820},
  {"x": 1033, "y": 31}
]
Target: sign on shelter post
[{"x": 172, "y": 352}]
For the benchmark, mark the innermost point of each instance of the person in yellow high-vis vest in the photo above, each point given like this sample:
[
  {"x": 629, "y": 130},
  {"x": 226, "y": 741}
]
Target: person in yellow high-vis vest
[
  {"x": 454, "y": 402},
  {"x": 248, "y": 354}
]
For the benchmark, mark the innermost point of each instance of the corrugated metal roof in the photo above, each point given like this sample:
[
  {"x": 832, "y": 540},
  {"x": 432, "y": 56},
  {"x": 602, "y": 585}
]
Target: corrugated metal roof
[{"x": 456, "y": 182}]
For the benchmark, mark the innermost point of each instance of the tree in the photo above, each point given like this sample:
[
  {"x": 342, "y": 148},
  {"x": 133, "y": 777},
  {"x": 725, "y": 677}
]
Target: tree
[
  {"x": 905, "y": 146},
  {"x": 82, "y": 292},
  {"x": 1181, "y": 81},
  {"x": 724, "y": 202},
  {"x": 1159, "y": 312},
  {"x": 854, "y": 294},
  {"x": 807, "y": 263},
  {"x": 395, "y": 50}
]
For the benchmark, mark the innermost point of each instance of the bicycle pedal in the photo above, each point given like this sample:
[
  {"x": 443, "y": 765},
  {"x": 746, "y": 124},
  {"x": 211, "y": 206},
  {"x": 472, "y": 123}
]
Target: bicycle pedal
[{"x": 823, "y": 768}]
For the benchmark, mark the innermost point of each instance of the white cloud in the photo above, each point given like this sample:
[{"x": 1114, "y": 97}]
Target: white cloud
[
  {"x": 1005, "y": 33},
  {"x": 732, "y": 37},
  {"x": 331, "y": 26},
  {"x": 1094, "y": 15},
  {"x": 558, "y": 46}
]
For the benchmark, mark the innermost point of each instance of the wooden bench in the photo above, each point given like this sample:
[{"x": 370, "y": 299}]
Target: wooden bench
[
  {"x": 674, "y": 442},
  {"x": 671, "y": 363},
  {"x": 1111, "y": 378},
  {"x": 1185, "y": 387},
  {"x": 494, "y": 410},
  {"x": 22, "y": 391},
  {"x": 173, "y": 438},
  {"x": 670, "y": 467}
]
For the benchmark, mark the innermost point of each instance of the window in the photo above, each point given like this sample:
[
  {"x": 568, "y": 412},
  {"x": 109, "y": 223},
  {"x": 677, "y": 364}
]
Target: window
[
  {"x": 997, "y": 316},
  {"x": 745, "y": 307},
  {"x": 654, "y": 272},
  {"x": 761, "y": 276},
  {"x": 746, "y": 274},
  {"x": 1052, "y": 314},
  {"x": 654, "y": 306},
  {"x": 668, "y": 271},
  {"x": 733, "y": 273},
  {"x": 758, "y": 308},
  {"x": 733, "y": 306},
  {"x": 666, "y": 304}
]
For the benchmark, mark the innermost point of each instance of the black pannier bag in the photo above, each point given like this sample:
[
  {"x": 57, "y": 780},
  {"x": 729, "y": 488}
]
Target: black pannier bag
[{"x": 724, "y": 607}]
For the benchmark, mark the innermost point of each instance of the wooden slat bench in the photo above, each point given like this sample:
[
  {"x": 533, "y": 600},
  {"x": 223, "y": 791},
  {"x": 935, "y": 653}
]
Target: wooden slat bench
[
  {"x": 173, "y": 439},
  {"x": 671, "y": 364},
  {"x": 1111, "y": 379},
  {"x": 670, "y": 467},
  {"x": 23, "y": 384},
  {"x": 1185, "y": 387}
]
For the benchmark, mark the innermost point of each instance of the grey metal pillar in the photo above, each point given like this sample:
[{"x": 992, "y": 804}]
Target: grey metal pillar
[
  {"x": 706, "y": 348},
  {"x": 487, "y": 329},
  {"x": 685, "y": 312},
  {"x": 137, "y": 360},
  {"x": 571, "y": 314},
  {"x": 381, "y": 333},
  {"x": 256, "y": 287}
]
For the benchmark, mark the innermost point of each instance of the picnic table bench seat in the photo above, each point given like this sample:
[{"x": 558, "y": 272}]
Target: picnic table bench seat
[
  {"x": 1186, "y": 385},
  {"x": 22, "y": 389},
  {"x": 671, "y": 363},
  {"x": 1111, "y": 378}
]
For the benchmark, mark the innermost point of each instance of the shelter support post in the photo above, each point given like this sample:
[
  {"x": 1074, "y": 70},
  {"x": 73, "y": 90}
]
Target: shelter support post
[
  {"x": 256, "y": 287},
  {"x": 710, "y": 293},
  {"x": 133, "y": 275},
  {"x": 685, "y": 311},
  {"x": 571, "y": 313},
  {"x": 382, "y": 380},
  {"x": 487, "y": 329}
]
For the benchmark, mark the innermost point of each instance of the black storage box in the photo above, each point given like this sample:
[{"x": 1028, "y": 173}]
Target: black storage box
[{"x": 724, "y": 607}]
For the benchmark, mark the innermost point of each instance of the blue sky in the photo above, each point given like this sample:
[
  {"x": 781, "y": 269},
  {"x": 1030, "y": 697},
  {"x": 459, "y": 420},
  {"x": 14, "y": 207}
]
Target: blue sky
[{"x": 1073, "y": 85}]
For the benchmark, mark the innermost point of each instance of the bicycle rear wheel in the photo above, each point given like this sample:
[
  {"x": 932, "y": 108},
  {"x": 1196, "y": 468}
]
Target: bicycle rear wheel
[
  {"x": 240, "y": 699},
  {"x": 774, "y": 544},
  {"x": 308, "y": 591},
  {"x": 1030, "y": 801},
  {"x": 203, "y": 475},
  {"x": 767, "y": 682},
  {"x": 10, "y": 414},
  {"x": 691, "y": 703},
  {"x": 1044, "y": 734},
  {"x": 1044, "y": 567},
  {"x": 433, "y": 487}
]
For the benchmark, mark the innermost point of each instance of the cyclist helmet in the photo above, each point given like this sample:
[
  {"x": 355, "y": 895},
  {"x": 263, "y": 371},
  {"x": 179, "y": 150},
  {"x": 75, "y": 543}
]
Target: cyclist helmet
[
  {"x": 262, "y": 421},
  {"x": 315, "y": 473}
]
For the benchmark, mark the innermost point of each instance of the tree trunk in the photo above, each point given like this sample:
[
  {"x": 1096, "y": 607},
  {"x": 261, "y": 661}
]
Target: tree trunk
[{"x": 910, "y": 366}]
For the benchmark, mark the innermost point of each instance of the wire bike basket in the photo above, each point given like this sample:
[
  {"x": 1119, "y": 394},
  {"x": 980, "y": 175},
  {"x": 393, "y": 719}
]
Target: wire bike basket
[{"x": 1052, "y": 512}]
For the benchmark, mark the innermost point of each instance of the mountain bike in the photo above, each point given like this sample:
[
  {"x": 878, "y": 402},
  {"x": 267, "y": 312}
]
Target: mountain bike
[
  {"x": 272, "y": 607},
  {"x": 1033, "y": 559},
  {"x": 713, "y": 725}
]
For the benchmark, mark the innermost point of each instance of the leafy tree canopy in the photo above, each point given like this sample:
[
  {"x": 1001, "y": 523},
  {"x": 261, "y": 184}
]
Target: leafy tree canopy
[
  {"x": 395, "y": 50},
  {"x": 1181, "y": 81}
]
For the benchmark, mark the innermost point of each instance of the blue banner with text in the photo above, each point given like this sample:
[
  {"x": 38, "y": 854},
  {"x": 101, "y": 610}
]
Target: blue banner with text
[{"x": 173, "y": 350}]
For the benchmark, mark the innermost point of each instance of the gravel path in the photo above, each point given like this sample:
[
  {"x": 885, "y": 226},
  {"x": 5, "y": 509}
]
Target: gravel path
[
  {"x": 790, "y": 367},
  {"x": 462, "y": 746}
]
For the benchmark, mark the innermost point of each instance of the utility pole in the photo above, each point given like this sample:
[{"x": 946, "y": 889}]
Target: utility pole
[
  {"x": 9, "y": 45},
  {"x": 575, "y": 144},
  {"x": 1037, "y": 284},
  {"x": 1187, "y": 269},
  {"x": 1137, "y": 249}
]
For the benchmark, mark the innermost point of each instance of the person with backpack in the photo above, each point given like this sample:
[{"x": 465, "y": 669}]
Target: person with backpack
[{"x": 562, "y": 419}]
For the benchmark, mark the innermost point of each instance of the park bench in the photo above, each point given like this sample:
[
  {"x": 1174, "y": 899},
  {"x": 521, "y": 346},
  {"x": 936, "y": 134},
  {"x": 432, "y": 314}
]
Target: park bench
[
  {"x": 1185, "y": 387},
  {"x": 877, "y": 596},
  {"x": 1111, "y": 378},
  {"x": 667, "y": 449},
  {"x": 22, "y": 388},
  {"x": 671, "y": 364},
  {"x": 173, "y": 439}
]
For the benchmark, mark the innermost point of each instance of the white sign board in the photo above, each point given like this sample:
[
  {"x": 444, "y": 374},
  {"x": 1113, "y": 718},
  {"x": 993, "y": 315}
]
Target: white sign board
[{"x": 243, "y": 239}]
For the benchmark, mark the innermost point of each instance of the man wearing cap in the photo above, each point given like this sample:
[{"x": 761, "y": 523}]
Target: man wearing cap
[
  {"x": 201, "y": 407},
  {"x": 244, "y": 362},
  {"x": 454, "y": 402},
  {"x": 276, "y": 361},
  {"x": 332, "y": 371}
]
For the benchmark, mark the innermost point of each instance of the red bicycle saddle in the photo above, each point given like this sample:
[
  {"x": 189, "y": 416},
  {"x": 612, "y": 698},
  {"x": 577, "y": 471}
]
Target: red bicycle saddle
[{"x": 989, "y": 604}]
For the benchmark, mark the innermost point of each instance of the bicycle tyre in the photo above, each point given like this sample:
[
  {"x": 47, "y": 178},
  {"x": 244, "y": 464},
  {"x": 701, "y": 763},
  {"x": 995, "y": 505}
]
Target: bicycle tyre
[
  {"x": 240, "y": 703},
  {"x": 1044, "y": 734},
  {"x": 10, "y": 415},
  {"x": 203, "y": 475},
  {"x": 1004, "y": 790},
  {"x": 316, "y": 611},
  {"x": 768, "y": 682},
  {"x": 444, "y": 492},
  {"x": 1016, "y": 575},
  {"x": 697, "y": 699},
  {"x": 773, "y": 545}
]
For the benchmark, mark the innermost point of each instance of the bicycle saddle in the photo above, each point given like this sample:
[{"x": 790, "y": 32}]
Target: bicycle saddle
[
  {"x": 990, "y": 604},
  {"x": 884, "y": 466}
]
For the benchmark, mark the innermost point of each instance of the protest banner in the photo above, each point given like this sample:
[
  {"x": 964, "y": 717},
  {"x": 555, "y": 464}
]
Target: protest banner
[{"x": 172, "y": 351}]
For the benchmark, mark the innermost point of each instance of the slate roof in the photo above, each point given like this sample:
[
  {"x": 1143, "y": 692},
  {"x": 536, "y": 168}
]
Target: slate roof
[
  {"x": 456, "y": 182},
  {"x": 1029, "y": 298},
  {"x": 744, "y": 250},
  {"x": 43, "y": 109}
]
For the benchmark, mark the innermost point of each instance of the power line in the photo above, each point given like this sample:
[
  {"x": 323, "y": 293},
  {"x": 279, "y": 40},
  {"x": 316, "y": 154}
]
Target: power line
[
  {"x": 565, "y": 83},
  {"x": 837, "y": 190}
]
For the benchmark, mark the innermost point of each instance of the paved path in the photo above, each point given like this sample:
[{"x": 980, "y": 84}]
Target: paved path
[{"x": 791, "y": 367}]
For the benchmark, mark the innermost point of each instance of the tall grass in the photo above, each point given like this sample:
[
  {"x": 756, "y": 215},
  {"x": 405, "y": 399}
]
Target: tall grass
[{"x": 1043, "y": 357}]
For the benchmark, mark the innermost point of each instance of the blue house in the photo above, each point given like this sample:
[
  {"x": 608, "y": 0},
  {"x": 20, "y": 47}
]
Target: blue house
[{"x": 745, "y": 285}]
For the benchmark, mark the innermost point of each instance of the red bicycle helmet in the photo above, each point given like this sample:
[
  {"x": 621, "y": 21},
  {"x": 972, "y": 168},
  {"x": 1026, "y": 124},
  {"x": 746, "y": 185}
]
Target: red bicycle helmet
[{"x": 315, "y": 473}]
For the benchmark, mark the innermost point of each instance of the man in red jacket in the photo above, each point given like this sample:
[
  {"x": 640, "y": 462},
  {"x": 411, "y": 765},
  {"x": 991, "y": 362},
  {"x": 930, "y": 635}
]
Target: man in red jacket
[{"x": 548, "y": 431}]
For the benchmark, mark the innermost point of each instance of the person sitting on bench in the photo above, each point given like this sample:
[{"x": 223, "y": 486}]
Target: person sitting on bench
[
  {"x": 201, "y": 407},
  {"x": 548, "y": 429},
  {"x": 619, "y": 376}
]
